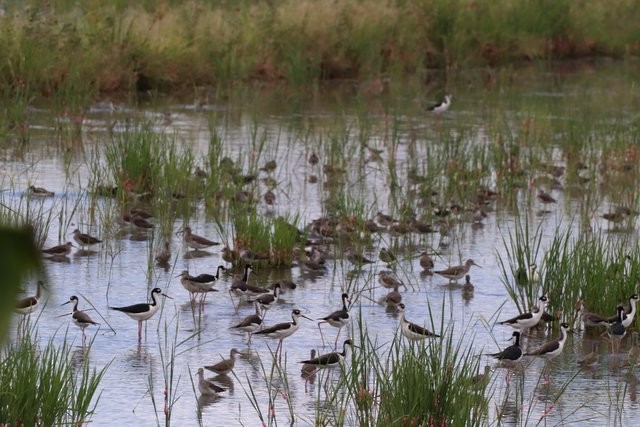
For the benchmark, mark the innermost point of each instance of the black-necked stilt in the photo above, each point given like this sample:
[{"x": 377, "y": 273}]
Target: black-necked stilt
[
  {"x": 196, "y": 242},
  {"x": 412, "y": 331},
  {"x": 80, "y": 318},
  {"x": 85, "y": 239},
  {"x": 513, "y": 353},
  {"x": 330, "y": 360},
  {"x": 226, "y": 365},
  {"x": 441, "y": 107},
  {"x": 355, "y": 258},
  {"x": 196, "y": 285},
  {"x": 60, "y": 250},
  {"x": 545, "y": 197},
  {"x": 266, "y": 301},
  {"x": 528, "y": 320},
  {"x": 251, "y": 323},
  {"x": 551, "y": 349},
  {"x": 630, "y": 311},
  {"x": 29, "y": 304},
  {"x": 426, "y": 262},
  {"x": 40, "y": 192},
  {"x": 210, "y": 278},
  {"x": 206, "y": 387},
  {"x": 591, "y": 359},
  {"x": 283, "y": 330},
  {"x": 143, "y": 311},
  {"x": 389, "y": 280},
  {"x": 457, "y": 271},
  {"x": 337, "y": 319},
  {"x": 617, "y": 330},
  {"x": 241, "y": 287}
]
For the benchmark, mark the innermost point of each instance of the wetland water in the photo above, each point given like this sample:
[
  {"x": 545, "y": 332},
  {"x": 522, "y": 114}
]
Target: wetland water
[{"x": 484, "y": 122}]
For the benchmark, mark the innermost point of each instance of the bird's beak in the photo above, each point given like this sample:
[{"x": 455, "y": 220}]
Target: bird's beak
[
  {"x": 308, "y": 318},
  {"x": 65, "y": 303},
  {"x": 167, "y": 296}
]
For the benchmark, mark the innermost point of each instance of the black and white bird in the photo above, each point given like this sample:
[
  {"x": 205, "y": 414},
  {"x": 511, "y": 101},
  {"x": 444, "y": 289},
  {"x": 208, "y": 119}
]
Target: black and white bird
[
  {"x": 528, "y": 320},
  {"x": 513, "y": 353},
  {"x": 551, "y": 349},
  {"x": 617, "y": 330},
  {"x": 266, "y": 301},
  {"x": 142, "y": 311},
  {"x": 251, "y": 323},
  {"x": 412, "y": 331},
  {"x": 283, "y": 330},
  {"x": 337, "y": 319},
  {"x": 441, "y": 107},
  {"x": 80, "y": 318},
  {"x": 331, "y": 360},
  {"x": 196, "y": 285}
]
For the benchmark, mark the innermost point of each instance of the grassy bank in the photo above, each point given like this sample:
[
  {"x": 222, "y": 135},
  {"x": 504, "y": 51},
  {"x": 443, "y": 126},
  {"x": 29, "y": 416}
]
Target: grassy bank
[{"x": 77, "y": 50}]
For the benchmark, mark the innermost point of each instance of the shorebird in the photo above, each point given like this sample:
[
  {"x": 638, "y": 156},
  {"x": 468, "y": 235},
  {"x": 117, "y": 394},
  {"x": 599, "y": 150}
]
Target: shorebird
[
  {"x": 242, "y": 288},
  {"x": 137, "y": 221},
  {"x": 551, "y": 349},
  {"x": 225, "y": 365},
  {"x": 426, "y": 262},
  {"x": 164, "y": 256},
  {"x": 630, "y": 311},
  {"x": 141, "y": 213},
  {"x": 143, "y": 311},
  {"x": 545, "y": 197},
  {"x": 85, "y": 239},
  {"x": 355, "y": 258},
  {"x": 282, "y": 330},
  {"x": 313, "y": 159},
  {"x": 40, "y": 192},
  {"x": 251, "y": 323},
  {"x": 337, "y": 319},
  {"x": 206, "y": 387},
  {"x": 372, "y": 226},
  {"x": 196, "y": 242},
  {"x": 266, "y": 301},
  {"x": 196, "y": 285},
  {"x": 591, "y": 359},
  {"x": 528, "y": 320},
  {"x": 481, "y": 380},
  {"x": 387, "y": 256},
  {"x": 513, "y": 353},
  {"x": 389, "y": 280},
  {"x": 457, "y": 271},
  {"x": 617, "y": 330},
  {"x": 60, "y": 250},
  {"x": 441, "y": 107},
  {"x": 229, "y": 255},
  {"x": 29, "y": 304},
  {"x": 330, "y": 360},
  {"x": 590, "y": 319},
  {"x": 308, "y": 370},
  {"x": 80, "y": 318},
  {"x": 384, "y": 219},
  {"x": 393, "y": 298},
  {"x": 412, "y": 331},
  {"x": 632, "y": 358}
]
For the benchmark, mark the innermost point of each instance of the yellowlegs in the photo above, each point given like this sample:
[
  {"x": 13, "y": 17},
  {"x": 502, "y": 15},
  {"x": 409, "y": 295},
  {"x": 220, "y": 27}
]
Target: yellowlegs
[
  {"x": 28, "y": 305},
  {"x": 591, "y": 359},
  {"x": 251, "y": 323},
  {"x": 281, "y": 331},
  {"x": 632, "y": 358},
  {"x": 426, "y": 262},
  {"x": 513, "y": 353},
  {"x": 457, "y": 271},
  {"x": 85, "y": 239},
  {"x": 481, "y": 380},
  {"x": 525, "y": 321},
  {"x": 330, "y": 360},
  {"x": 337, "y": 319},
  {"x": 80, "y": 318},
  {"x": 441, "y": 107},
  {"x": 355, "y": 258},
  {"x": 143, "y": 311},
  {"x": 226, "y": 365},
  {"x": 164, "y": 256},
  {"x": 137, "y": 221},
  {"x": 551, "y": 349},
  {"x": 389, "y": 280},
  {"x": 412, "y": 331},
  {"x": 40, "y": 192},
  {"x": 229, "y": 255},
  {"x": 206, "y": 387},
  {"x": 60, "y": 250},
  {"x": 591, "y": 319},
  {"x": 196, "y": 242}
]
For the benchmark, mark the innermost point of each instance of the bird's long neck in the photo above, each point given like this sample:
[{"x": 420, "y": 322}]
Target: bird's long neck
[
  {"x": 517, "y": 340},
  {"x": 346, "y": 349},
  {"x": 218, "y": 271},
  {"x": 632, "y": 304},
  {"x": 75, "y": 305},
  {"x": 38, "y": 290},
  {"x": 344, "y": 304},
  {"x": 153, "y": 299},
  {"x": 245, "y": 276}
]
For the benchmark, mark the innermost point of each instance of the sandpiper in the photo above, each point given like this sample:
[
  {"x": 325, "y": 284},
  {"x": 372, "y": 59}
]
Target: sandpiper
[
  {"x": 229, "y": 255},
  {"x": 355, "y": 258},
  {"x": 143, "y": 311},
  {"x": 337, "y": 319},
  {"x": 481, "y": 380},
  {"x": 457, "y": 271},
  {"x": 282, "y": 330},
  {"x": 412, "y": 331},
  {"x": 331, "y": 360},
  {"x": 389, "y": 280},
  {"x": 40, "y": 192},
  {"x": 137, "y": 221},
  {"x": 387, "y": 256},
  {"x": 528, "y": 320},
  {"x": 384, "y": 219},
  {"x": 226, "y": 365},
  {"x": 591, "y": 359},
  {"x": 513, "y": 353},
  {"x": 441, "y": 107},
  {"x": 591, "y": 319},
  {"x": 85, "y": 239},
  {"x": 196, "y": 242},
  {"x": 206, "y": 387},
  {"x": 393, "y": 298},
  {"x": 251, "y": 323},
  {"x": 313, "y": 159},
  {"x": 28, "y": 305},
  {"x": 426, "y": 262},
  {"x": 60, "y": 250},
  {"x": 164, "y": 256},
  {"x": 80, "y": 318},
  {"x": 545, "y": 197}
]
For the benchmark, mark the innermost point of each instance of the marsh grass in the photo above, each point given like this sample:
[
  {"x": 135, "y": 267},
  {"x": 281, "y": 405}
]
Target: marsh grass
[{"x": 39, "y": 384}]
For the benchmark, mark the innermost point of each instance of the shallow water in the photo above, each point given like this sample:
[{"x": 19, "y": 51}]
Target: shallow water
[{"x": 118, "y": 274}]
